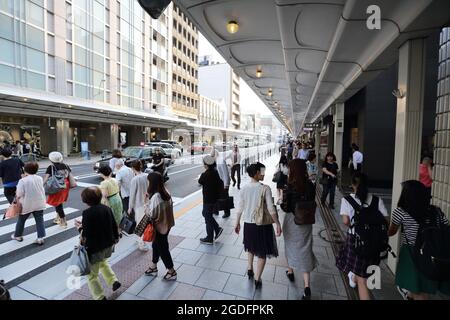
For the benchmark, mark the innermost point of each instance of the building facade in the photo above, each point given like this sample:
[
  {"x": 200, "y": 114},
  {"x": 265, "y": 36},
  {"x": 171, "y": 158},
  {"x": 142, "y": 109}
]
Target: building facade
[
  {"x": 219, "y": 81},
  {"x": 211, "y": 112},
  {"x": 185, "y": 98},
  {"x": 83, "y": 71}
]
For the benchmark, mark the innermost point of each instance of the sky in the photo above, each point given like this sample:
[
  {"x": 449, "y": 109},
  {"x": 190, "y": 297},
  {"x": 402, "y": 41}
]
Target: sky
[{"x": 250, "y": 102}]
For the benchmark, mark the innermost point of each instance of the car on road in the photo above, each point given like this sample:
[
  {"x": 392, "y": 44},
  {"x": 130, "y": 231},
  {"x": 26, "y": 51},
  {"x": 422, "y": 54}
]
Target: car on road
[
  {"x": 142, "y": 153},
  {"x": 198, "y": 147},
  {"x": 169, "y": 149},
  {"x": 174, "y": 144}
]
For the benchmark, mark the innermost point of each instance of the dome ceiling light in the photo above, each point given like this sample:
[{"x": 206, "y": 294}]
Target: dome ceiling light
[
  {"x": 259, "y": 73},
  {"x": 232, "y": 27}
]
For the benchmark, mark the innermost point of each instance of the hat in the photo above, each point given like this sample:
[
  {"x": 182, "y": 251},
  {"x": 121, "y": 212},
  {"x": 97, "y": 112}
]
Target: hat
[
  {"x": 209, "y": 160},
  {"x": 55, "y": 157}
]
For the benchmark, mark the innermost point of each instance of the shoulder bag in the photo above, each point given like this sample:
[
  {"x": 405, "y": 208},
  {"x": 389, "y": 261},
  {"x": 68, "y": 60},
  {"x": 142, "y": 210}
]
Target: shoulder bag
[
  {"x": 262, "y": 216},
  {"x": 277, "y": 175},
  {"x": 55, "y": 183}
]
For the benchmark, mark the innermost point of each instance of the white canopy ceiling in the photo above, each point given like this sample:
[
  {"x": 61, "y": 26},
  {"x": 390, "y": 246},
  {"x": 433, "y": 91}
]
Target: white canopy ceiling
[{"x": 312, "y": 53}]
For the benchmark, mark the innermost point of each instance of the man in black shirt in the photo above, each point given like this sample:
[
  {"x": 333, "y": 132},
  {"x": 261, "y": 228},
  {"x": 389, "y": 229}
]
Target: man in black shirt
[
  {"x": 158, "y": 161},
  {"x": 212, "y": 190},
  {"x": 11, "y": 170}
]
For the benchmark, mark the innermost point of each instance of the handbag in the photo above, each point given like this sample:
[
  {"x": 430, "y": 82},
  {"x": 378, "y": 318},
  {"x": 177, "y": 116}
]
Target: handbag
[
  {"x": 128, "y": 224},
  {"x": 225, "y": 204},
  {"x": 149, "y": 233},
  {"x": 142, "y": 225},
  {"x": 72, "y": 181},
  {"x": 262, "y": 215},
  {"x": 55, "y": 183},
  {"x": 305, "y": 212},
  {"x": 80, "y": 260},
  {"x": 277, "y": 177},
  {"x": 14, "y": 209},
  {"x": 323, "y": 179}
]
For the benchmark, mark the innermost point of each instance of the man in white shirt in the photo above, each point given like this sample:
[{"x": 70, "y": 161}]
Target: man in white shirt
[
  {"x": 124, "y": 175},
  {"x": 303, "y": 153},
  {"x": 357, "y": 159}
]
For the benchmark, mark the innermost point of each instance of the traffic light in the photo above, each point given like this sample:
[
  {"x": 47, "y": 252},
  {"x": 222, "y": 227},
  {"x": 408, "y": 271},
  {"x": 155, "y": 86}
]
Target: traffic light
[{"x": 154, "y": 7}]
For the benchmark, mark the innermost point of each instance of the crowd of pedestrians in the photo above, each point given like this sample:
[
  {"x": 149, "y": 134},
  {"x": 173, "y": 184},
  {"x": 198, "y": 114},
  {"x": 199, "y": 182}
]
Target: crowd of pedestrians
[{"x": 128, "y": 193}]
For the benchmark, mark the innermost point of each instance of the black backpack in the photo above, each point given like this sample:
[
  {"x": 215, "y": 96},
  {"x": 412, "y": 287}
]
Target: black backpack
[
  {"x": 371, "y": 230},
  {"x": 4, "y": 293},
  {"x": 431, "y": 252}
]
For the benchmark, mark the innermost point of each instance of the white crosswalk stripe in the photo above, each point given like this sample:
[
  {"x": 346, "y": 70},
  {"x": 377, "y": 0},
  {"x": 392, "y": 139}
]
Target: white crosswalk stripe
[
  {"x": 30, "y": 222},
  {"x": 33, "y": 257},
  {"x": 28, "y": 264},
  {"x": 29, "y": 239}
]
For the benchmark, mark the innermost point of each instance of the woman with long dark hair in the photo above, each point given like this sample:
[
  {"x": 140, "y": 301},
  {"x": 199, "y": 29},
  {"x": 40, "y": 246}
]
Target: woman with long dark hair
[
  {"x": 414, "y": 209},
  {"x": 348, "y": 261},
  {"x": 298, "y": 239},
  {"x": 329, "y": 171},
  {"x": 160, "y": 208}
]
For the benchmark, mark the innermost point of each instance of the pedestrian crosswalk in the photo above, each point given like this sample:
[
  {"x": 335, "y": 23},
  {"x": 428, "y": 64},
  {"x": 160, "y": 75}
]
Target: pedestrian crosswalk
[{"x": 19, "y": 261}]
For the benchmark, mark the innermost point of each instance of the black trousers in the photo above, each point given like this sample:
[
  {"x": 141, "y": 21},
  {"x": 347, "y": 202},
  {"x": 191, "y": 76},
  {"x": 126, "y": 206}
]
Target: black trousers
[
  {"x": 211, "y": 224},
  {"x": 160, "y": 248},
  {"x": 226, "y": 194},
  {"x": 329, "y": 188},
  {"x": 234, "y": 169},
  {"x": 60, "y": 211},
  {"x": 126, "y": 204},
  {"x": 10, "y": 193}
]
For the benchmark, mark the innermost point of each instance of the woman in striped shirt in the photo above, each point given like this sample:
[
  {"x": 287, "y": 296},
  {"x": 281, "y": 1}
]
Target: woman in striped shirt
[{"x": 412, "y": 208}]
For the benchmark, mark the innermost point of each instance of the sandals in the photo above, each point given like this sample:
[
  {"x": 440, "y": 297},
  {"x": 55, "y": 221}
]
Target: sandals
[
  {"x": 170, "y": 276},
  {"x": 151, "y": 271}
]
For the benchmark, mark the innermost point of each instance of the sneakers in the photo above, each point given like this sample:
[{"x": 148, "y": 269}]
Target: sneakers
[
  {"x": 206, "y": 241},
  {"x": 56, "y": 220},
  {"x": 39, "y": 241},
  {"x": 19, "y": 239},
  {"x": 351, "y": 282},
  {"x": 219, "y": 233}
]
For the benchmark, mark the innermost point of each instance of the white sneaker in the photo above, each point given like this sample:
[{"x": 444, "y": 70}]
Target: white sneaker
[
  {"x": 142, "y": 246},
  {"x": 39, "y": 241},
  {"x": 351, "y": 282}
]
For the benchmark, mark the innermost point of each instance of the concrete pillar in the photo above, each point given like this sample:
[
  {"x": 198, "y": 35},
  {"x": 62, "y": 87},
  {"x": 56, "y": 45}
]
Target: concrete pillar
[
  {"x": 408, "y": 133},
  {"x": 63, "y": 144},
  {"x": 114, "y": 136},
  {"x": 317, "y": 144},
  {"x": 339, "y": 132}
]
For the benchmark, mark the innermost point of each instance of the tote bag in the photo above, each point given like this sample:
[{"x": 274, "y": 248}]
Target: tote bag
[
  {"x": 80, "y": 260},
  {"x": 55, "y": 183},
  {"x": 14, "y": 209}
]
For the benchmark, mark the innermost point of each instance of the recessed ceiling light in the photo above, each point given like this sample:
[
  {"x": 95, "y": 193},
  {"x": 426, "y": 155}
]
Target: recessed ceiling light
[
  {"x": 69, "y": 106},
  {"x": 259, "y": 73},
  {"x": 232, "y": 27},
  {"x": 25, "y": 99}
]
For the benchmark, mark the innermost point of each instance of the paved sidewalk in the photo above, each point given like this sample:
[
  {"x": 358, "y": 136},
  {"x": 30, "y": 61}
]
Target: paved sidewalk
[{"x": 218, "y": 272}]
